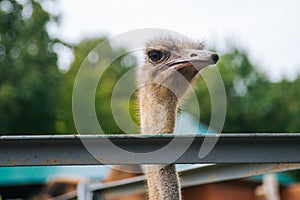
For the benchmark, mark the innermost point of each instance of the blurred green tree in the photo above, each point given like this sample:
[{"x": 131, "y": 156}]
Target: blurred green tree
[
  {"x": 29, "y": 77},
  {"x": 254, "y": 103},
  {"x": 85, "y": 51}
]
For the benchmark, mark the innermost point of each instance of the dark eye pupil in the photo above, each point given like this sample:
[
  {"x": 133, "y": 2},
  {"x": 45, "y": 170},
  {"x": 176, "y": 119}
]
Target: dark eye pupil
[{"x": 155, "y": 56}]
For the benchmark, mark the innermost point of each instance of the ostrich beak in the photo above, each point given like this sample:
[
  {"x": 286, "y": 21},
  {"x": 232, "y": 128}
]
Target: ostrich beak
[
  {"x": 201, "y": 56},
  {"x": 197, "y": 58}
]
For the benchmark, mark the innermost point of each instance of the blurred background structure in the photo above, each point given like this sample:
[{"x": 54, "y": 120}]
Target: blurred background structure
[{"x": 44, "y": 42}]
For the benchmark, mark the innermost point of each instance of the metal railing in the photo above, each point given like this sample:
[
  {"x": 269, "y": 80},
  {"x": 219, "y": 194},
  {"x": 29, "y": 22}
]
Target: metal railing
[
  {"x": 75, "y": 150},
  {"x": 192, "y": 176},
  {"x": 233, "y": 156}
]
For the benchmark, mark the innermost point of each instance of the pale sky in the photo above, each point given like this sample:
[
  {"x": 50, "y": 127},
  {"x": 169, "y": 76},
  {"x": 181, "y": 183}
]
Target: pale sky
[{"x": 268, "y": 29}]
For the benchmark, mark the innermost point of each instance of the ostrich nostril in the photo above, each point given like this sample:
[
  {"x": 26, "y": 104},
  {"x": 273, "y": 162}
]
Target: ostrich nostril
[{"x": 215, "y": 58}]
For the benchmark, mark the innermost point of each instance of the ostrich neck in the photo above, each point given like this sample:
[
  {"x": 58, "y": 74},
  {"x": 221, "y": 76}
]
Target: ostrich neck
[{"x": 158, "y": 108}]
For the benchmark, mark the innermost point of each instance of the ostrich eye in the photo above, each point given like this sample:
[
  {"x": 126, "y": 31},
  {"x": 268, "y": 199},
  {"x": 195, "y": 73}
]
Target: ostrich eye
[{"x": 156, "y": 55}]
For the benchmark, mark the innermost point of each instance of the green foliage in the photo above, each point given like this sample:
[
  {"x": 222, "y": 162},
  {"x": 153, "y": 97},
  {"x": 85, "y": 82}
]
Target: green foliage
[
  {"x": 29, "y": 77},
  {"x": 84, "y": 50},
  {"x": 254, "y": 103}
]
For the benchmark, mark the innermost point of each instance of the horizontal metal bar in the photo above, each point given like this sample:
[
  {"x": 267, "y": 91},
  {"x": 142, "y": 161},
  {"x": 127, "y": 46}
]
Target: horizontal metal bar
[
  {"x": 145, "y": 149},
  {"x": 224, "y": 172},
  {"x": 191, "y": 177},
  {"x": 136, "y": 185},
  {"x": 66, "y": 196}
]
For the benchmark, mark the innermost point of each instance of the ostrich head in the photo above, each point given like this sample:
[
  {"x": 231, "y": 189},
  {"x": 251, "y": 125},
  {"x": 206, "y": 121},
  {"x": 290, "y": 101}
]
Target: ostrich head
[{"x": 174, "y": 64}]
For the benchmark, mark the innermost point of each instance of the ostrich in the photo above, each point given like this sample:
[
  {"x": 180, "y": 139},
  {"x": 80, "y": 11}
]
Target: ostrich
[{"x": 171, "y": 65}]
